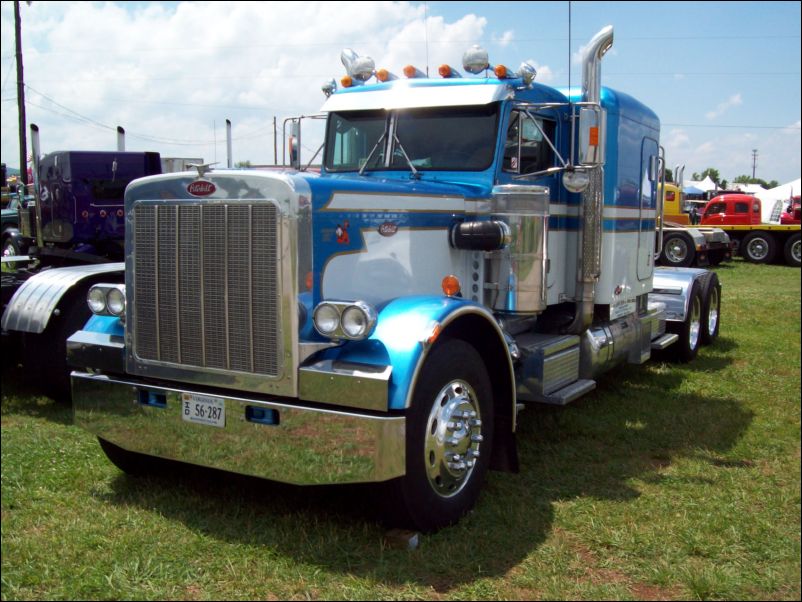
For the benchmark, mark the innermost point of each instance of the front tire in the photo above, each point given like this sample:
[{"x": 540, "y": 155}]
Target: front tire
[{"x": 449, "y": 439}]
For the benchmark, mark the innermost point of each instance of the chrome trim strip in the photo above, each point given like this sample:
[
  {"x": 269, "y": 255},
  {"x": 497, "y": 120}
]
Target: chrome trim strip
[{"x": 307, "y": 446}]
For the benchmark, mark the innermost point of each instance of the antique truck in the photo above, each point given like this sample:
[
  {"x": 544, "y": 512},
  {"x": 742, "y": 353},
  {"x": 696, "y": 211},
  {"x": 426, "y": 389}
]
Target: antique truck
[
  {"x": 740, "y": 215},
  {"x": 470, "y": 244}
]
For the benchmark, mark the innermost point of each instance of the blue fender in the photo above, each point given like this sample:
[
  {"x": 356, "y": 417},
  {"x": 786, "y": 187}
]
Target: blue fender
[{"x": 405, "y": 331}]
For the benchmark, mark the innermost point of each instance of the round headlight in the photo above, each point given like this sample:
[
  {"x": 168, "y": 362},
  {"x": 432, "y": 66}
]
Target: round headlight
[
  {"x": 355, "y": 321},
  {"x": 115, "y": 300},
  {"x": 96, "y": 299},
  {"x": 326, "y": 318}
]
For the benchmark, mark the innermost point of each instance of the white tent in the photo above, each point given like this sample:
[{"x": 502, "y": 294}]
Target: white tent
[
  {"x": 705, "y": 185},
  {"x": 780, "y": 194}
]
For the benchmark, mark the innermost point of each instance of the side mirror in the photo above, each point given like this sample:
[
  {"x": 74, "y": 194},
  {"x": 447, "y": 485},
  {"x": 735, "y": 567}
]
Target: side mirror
[{"x": 591, "y": 136}]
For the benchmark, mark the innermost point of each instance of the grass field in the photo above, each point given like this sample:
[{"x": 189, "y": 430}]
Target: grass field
[{"x": 667, "y": 482}]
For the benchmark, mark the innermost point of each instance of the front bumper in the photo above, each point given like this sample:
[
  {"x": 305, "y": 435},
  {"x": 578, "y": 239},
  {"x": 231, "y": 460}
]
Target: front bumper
[{"x": 303, "y": 445}]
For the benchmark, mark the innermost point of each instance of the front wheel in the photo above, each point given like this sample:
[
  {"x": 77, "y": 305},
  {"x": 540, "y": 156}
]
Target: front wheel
[{"x": 449, "y": 438}]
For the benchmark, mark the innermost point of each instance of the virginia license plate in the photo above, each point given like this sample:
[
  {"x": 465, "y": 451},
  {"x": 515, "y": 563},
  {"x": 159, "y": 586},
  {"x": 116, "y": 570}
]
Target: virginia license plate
[{"x": 203, "y": 409}]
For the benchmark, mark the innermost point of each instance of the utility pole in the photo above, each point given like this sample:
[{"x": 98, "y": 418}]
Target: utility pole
[
  {"x": 23, "y": 146},
  {"x": 754, "y": 162}
]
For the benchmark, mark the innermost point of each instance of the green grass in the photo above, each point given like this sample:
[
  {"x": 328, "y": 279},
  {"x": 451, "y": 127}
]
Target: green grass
[{"x": 667, "y": 482}]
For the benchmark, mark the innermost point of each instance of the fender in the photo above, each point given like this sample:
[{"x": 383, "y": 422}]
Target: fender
[
  {"x": 405, "y": 332},
  {"x": 35, "y": 301},
  {"x": 672, "y": 286}
]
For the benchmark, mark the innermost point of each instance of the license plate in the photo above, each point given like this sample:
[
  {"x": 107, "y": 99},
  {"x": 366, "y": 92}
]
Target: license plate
[{"x": 203, "y": 409}]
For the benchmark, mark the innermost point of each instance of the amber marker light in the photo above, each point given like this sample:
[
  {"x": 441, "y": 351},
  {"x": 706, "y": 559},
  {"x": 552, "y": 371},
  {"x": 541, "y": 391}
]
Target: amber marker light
[
  {"x": 382, "y": 75},
  {"x": 346, "y": 81},
  {"x": 444, "y": 71},
  {"x": 500, "y": 71},
  {"x": 451, "y": 286},
  {"x": 410, "y": 70}
]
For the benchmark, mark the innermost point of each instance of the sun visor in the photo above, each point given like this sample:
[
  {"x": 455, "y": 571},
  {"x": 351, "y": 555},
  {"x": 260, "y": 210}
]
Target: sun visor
[{"x": 411, "y": 94}]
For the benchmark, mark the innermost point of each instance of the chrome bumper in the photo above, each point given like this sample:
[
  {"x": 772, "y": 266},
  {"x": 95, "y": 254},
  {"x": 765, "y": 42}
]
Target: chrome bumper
[{"x": 303, "y": 445}]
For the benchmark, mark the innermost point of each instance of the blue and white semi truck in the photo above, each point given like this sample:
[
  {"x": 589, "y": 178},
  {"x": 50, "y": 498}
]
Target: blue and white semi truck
[{"x": 470, "y": 244}]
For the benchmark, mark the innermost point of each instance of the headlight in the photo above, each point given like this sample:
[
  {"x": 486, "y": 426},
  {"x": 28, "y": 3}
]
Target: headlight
[
  {"x": 356, "y": 321},
  {"x": 107, "y": 300},
  {"x": 96, "y": 299},
  {"x": 326, "y": 318},
  {"x": 115, "y": 301},
  {"x": 344, "y": 320}
]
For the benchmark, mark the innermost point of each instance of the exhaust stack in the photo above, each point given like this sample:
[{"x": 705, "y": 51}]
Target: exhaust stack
[{"x": 590, "y": 235}]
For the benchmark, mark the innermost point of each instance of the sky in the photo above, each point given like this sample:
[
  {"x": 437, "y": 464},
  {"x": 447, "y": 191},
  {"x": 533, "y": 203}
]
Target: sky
[{"x": 723, "y": 77}]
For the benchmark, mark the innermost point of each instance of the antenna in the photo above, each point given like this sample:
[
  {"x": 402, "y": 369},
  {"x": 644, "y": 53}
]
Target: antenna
[
  {"x": 426, "y": 33},
  {"x": 569, "y": 50}
]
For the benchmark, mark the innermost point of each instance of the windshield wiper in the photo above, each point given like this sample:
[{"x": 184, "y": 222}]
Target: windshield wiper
[
  {"x": 406, "y": 157},
  {"x": 373, "y": 150}
]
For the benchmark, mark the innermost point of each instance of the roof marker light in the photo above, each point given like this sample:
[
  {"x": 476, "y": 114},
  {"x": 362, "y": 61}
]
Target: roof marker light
[
  {"x": 501, "y": 71},
  {"x": 346, "y": 81},
  {"x": 411, "y": 71},
  {"x": 383, "y": 75},
  {"x": 448, "y": 71},
  {"x": 451, "y": 286}
]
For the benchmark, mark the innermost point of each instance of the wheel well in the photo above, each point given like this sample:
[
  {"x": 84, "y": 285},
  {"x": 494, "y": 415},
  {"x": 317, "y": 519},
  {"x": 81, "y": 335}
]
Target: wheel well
[{"x": 475, "y": 330}]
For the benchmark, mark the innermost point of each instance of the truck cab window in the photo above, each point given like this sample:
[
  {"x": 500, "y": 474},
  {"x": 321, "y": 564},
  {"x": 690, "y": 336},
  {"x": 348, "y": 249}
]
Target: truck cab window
[
  {"x": 525, "y": 149},
  {"x": 447, "y": 139}
]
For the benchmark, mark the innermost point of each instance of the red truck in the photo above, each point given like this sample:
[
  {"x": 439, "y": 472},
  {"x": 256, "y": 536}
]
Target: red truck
[
  {"x": 740, "y": 216},
  {"x": 792, "y": 215}
]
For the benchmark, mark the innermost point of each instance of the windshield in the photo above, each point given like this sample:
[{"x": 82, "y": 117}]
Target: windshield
[{"x": 443, "y": 138}]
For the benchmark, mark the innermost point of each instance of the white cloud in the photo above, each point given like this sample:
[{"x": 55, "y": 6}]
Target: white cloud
[
  {"x": 507, "y": 38},
  {"x": 733, "y": 101},
  {"x": 177, "y": 73}
]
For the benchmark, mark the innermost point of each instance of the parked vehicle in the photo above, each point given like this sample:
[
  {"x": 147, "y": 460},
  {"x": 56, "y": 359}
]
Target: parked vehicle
[
  {"x": 685, "y": 244},
  {"x": 793, "y": 213},
  {"x": 381, "y": 321},
  {"x": 740, "y": 216},
  {"x": 75, "y": 219}
]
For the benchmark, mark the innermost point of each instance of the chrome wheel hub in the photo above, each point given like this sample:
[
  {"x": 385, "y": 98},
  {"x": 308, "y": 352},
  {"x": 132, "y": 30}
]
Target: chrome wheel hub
[
  {"x": 676, "y": 251},
  {"x": 757, "y": 248},
  {"x": 453, "y": 438}
]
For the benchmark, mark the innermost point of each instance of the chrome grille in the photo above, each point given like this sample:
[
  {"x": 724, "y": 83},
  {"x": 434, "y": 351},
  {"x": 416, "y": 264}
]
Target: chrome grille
[{"x": 206, "y": 286}]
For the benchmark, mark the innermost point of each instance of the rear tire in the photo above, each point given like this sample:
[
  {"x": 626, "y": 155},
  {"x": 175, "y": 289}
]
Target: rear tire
[
  {"x": 690, "y": 330},
  {"x": 793, "y": 250},
  {"x": 678, "y": 251},
  {"x": 711, "y": 308},
  {"x": 449, "y": 440},
  {"x": 758, "y": 247}
]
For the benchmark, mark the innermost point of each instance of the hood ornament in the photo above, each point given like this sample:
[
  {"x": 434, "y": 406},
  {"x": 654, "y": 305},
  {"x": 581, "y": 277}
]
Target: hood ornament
[{"x": 203, "y": 168}]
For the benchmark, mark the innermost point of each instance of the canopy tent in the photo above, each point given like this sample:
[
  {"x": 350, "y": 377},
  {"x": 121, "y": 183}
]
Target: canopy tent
[
  {"x": 705, "y": 185},
  {"x": 770, "y": 198},
  {"x": 692, "y": 190}
]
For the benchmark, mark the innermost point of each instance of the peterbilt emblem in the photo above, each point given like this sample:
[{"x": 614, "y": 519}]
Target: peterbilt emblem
[
  {"x": 388, "y": 229},
  {"x": 201, "y": 188}
]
